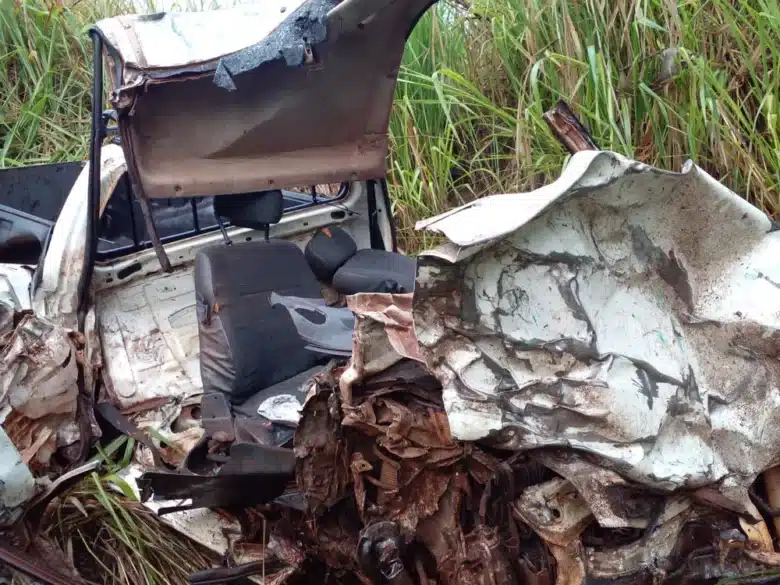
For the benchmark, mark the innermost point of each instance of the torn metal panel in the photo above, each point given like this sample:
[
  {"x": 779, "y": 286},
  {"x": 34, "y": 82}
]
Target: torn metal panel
[
  {"x": 56, "y": 296},
  {"x": 322, "y": 471},
  {"x": 164, "y": 44},
  {"x": 646, "y": 553},
  {"x": 38, "y": 370},
  {"x": 292, "y": 118},
  {"x": 612, "y": 500},
  {"x": 38, "y": 392},
  {"x": 15, "y": 283},
  {"x": 389, "y": 458},
  {"x": 16, "y": 482},
  {"x": 292, "y": 41},
  {"x": 554, "y": 510},
  {"x": 383, "y": 336},
  {"x": 603, "y": 313}
]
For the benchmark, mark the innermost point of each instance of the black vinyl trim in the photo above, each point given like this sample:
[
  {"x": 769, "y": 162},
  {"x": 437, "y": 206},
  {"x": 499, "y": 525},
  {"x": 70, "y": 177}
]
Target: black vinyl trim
[
  {"x": 390, "y": 216},
  {"x": 93, "y": 191},
  {"x": 377, "y": 242}
]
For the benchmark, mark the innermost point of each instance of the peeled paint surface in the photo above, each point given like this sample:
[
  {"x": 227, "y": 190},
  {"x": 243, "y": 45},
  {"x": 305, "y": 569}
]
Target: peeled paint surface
[
  {"x": 304, "y": 27},
  {"x": 622, "y": 311}
]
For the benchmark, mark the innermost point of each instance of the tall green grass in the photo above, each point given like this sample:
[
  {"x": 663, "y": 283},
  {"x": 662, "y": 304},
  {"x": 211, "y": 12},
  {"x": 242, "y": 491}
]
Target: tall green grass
[{"x": 658, "y": 80}]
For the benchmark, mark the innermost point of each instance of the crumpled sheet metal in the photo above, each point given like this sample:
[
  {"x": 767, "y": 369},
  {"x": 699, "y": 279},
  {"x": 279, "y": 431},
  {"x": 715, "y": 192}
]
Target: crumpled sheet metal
[
  {"x": 294, "y": 36},
  {"x": 690, "y": 542},
  {"x": 38, "y": 392},
  {"x": 17, "y": 485},
  {"x": 165, "y": 44},
  {"x": 389, "y": 456},
  {"x": 383, "y": 336},
  {"x": 622, "y": 311}
]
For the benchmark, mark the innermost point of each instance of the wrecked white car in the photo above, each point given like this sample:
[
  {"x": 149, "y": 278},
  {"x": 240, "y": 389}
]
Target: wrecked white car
[
  {"x": 152, "y": 287},
  {"x": 577, "y": 386}
]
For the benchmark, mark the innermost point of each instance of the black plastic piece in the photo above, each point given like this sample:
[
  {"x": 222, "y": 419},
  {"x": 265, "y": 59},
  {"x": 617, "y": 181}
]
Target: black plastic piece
[
  {"x": 230, "y": 574},
  {"x": 376, "y": 271},
  {"x": 380, "y": 552},
  {"x": 93, "y": 192},
  {"x": 251, "y": 210},
  {"x": 254, "y": 474},
  {"x": 40, "y": 190},
  {"x": 23, "y": 237}
]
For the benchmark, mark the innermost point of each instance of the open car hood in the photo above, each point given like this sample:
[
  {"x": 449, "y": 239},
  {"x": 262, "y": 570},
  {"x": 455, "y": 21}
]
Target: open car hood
[{"x": 279, "y": 94}]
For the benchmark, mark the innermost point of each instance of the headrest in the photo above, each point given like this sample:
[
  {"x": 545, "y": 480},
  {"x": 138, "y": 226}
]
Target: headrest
[{"x": 251, "y": 210}]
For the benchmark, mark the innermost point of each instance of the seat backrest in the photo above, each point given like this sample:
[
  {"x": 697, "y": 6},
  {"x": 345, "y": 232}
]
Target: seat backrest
[
  {"x": 246, "y": 344},
  {"x": 251, "y": 210}
]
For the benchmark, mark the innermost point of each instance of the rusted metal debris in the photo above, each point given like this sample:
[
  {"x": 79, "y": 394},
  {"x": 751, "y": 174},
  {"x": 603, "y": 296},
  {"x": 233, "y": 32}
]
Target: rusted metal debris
[
  {"x": 567, "y": 128},
  {"x": 455, "y": 513},
  {"x": 392, "y": 498},
  {"x": 411, "y": 505}
]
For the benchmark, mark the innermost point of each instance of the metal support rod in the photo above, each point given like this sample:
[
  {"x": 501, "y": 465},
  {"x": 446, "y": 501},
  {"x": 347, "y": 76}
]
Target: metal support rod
[
  {"x": 93, "y": 189},
  {"x": 225, "y": 235},
  {"x": 151, "y": 229},
  {"x": 195, "y": 219},
  {"x": 85, "y": 396},
  {"x": 140, "y": 194}
]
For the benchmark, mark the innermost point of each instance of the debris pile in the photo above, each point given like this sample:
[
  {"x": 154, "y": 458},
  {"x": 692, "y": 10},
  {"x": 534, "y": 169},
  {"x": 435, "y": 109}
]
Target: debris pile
[
  {"x": 393, "y": 498},
  {"x": 38, "y": 391}
]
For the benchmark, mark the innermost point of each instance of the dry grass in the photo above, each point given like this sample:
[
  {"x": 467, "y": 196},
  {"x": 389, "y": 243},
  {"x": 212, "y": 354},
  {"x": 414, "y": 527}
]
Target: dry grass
[{"x": 111, "y": 538}]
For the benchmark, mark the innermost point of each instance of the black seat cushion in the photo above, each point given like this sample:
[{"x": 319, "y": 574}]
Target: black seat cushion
[
  {"x": 376, "y": 271},
  {"x": 328, "y": 250},
  {"x": 247, "y": 345}
]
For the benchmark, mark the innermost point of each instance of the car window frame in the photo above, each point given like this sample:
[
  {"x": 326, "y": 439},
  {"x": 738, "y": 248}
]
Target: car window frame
[{"x": 138, "y": 226}]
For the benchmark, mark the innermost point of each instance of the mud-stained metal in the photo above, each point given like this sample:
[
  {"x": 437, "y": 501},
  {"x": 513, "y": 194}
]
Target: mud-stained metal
[
  {"x": 383, "y": 336},
  {"x": 555, "y": 511},
  {"x": 38, "y": 394},
  {"x": 622, "y": 311},
  {"x": 272, "y": 90},
  {"x": 17, "y": 485},
  {"x": 56, "y": 296}
]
